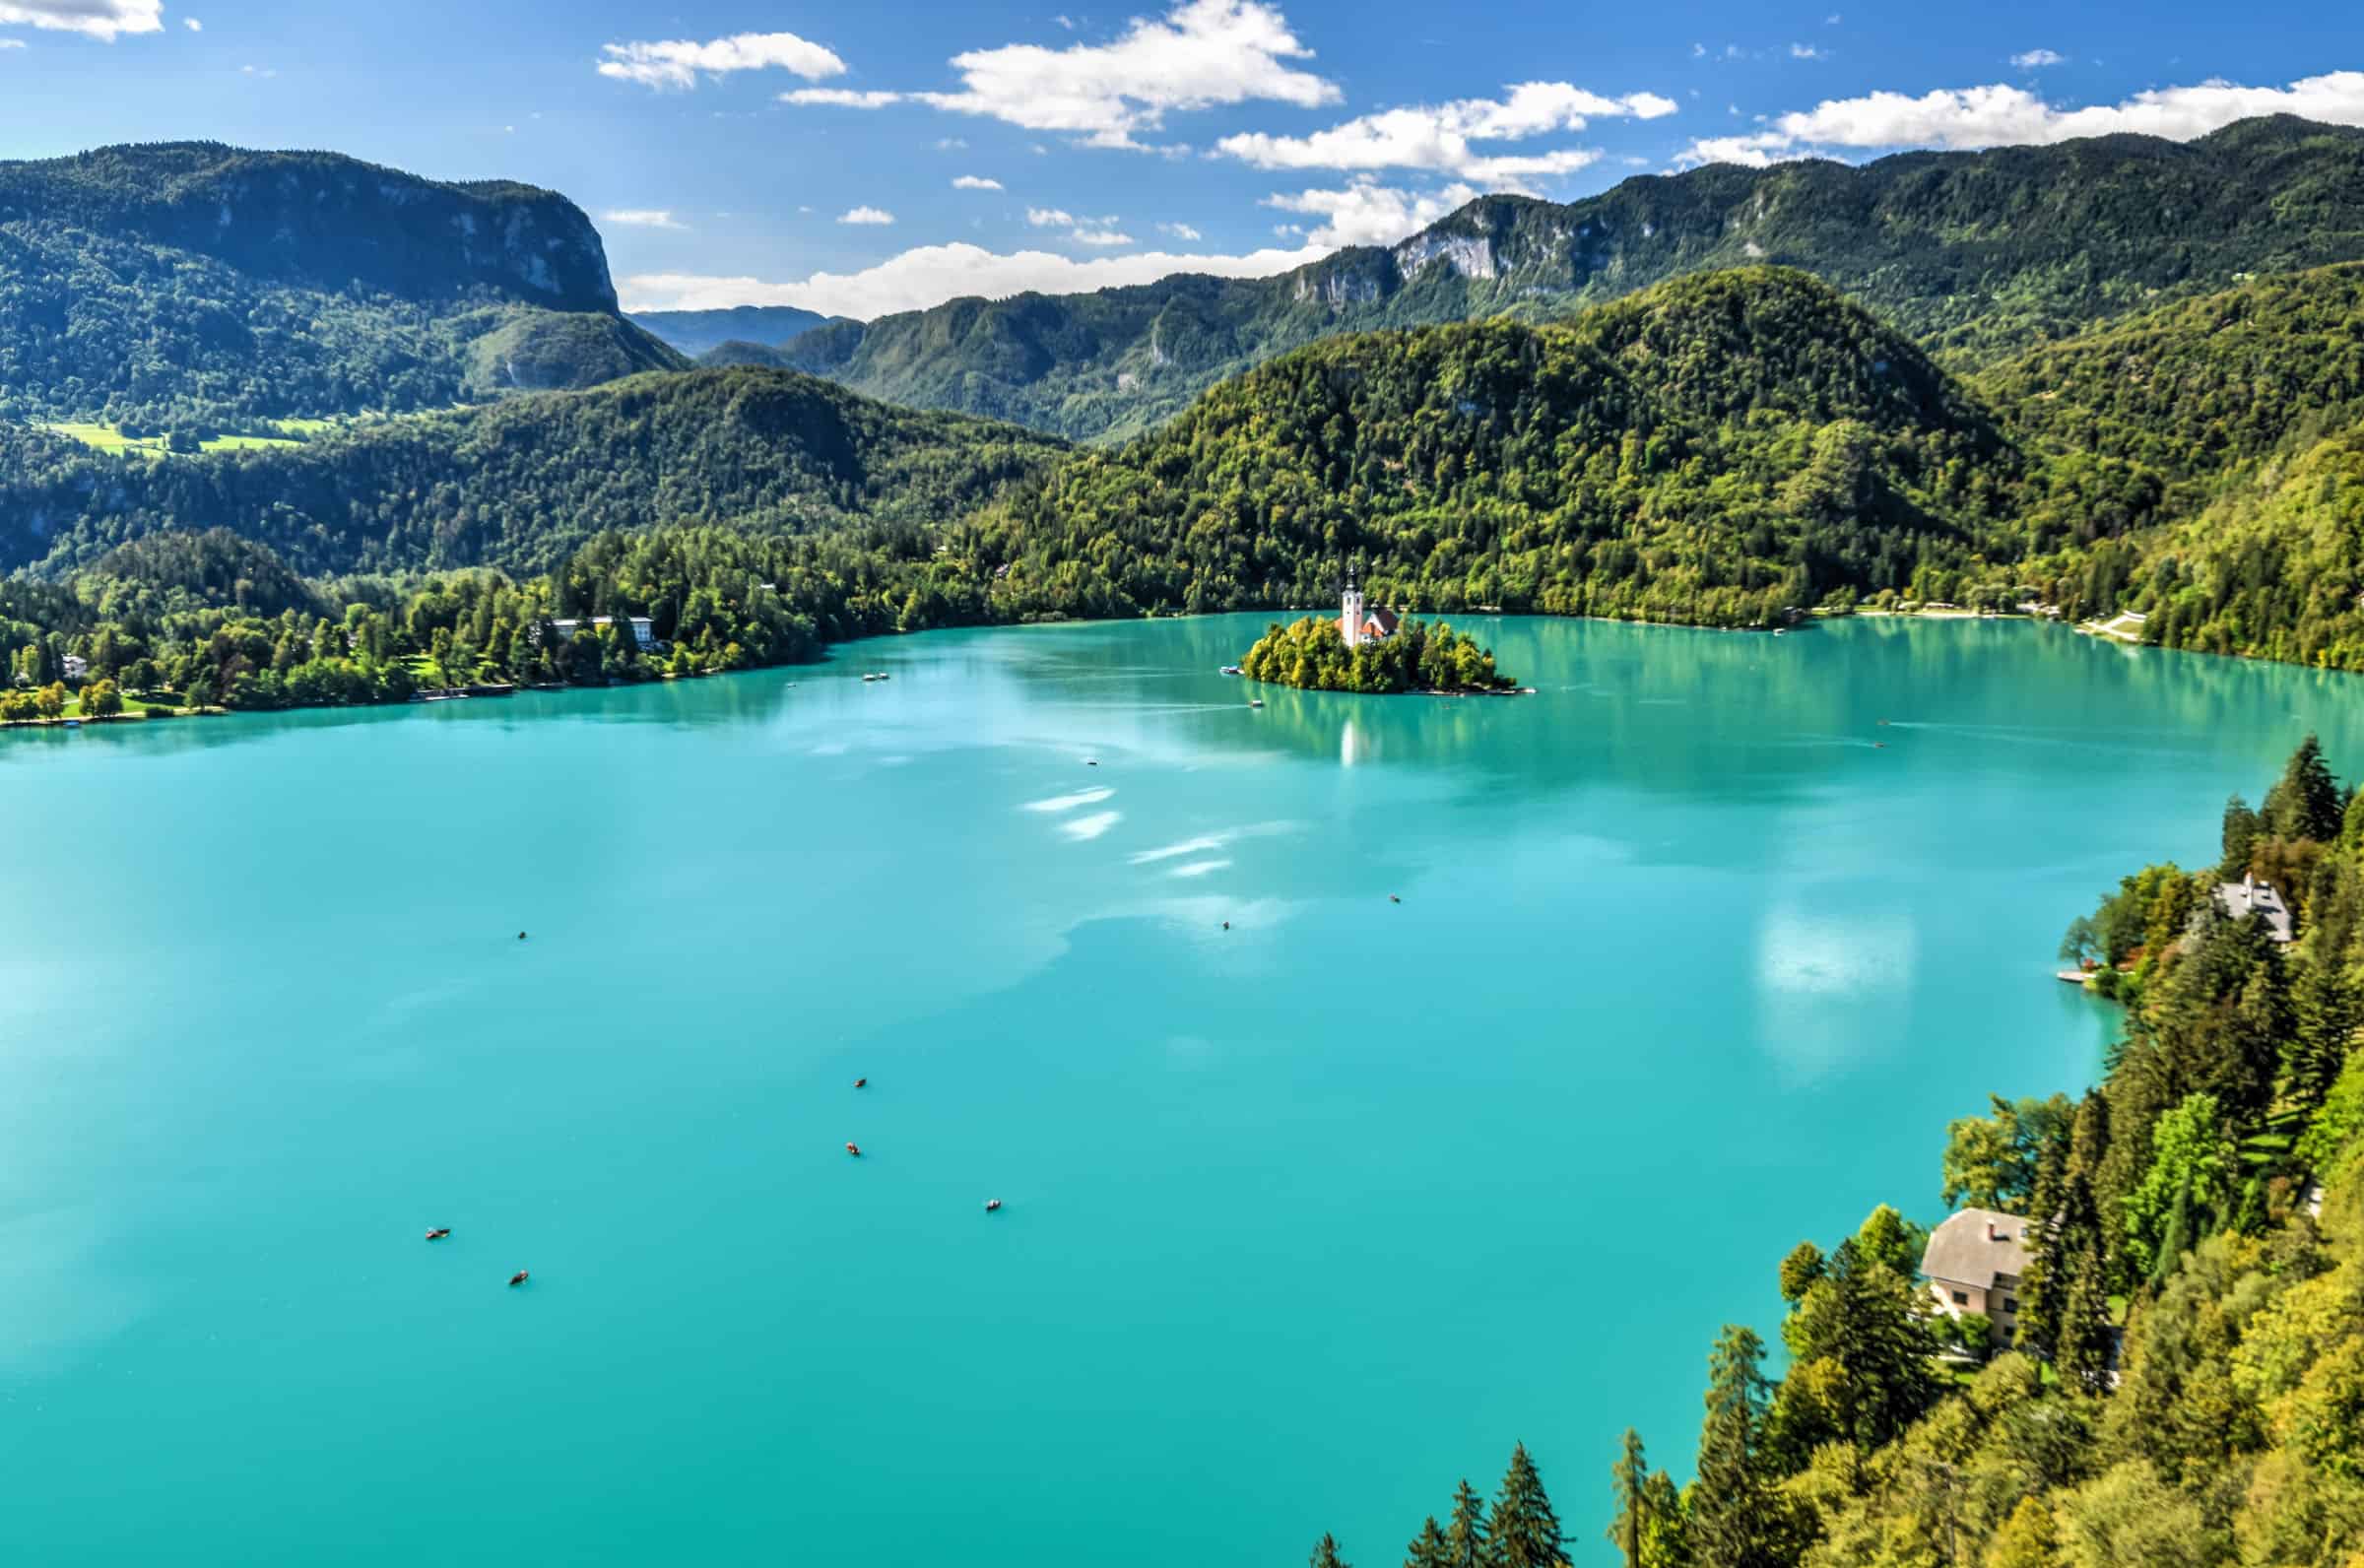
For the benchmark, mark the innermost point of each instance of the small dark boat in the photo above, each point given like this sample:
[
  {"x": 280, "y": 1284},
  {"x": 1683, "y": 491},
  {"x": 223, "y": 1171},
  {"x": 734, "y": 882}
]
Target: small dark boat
[
  {"x": 518, "y": 1277},
  {"x": 1393, "y": 899},
  {"x": 992, "y": 1205},
  {"x": 853, "y": 1149},
  {"x": 861, "y": 1083},
  {"x": 521, "y": 936},
  {"x": 438, "y": 1234},
  {"x": 1226, "y": 925}
]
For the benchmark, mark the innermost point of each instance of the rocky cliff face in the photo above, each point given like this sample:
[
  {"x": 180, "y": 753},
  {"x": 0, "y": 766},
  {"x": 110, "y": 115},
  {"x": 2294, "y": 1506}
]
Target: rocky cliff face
[{"x": 322, "y": 220}]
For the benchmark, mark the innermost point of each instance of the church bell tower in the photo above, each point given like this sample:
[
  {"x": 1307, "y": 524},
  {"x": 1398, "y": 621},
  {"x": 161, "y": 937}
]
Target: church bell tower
[{"x": 1350, "y": 619}]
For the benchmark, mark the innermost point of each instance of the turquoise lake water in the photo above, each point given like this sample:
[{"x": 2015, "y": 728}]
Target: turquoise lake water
[{"x": 1305, "y": 1220}]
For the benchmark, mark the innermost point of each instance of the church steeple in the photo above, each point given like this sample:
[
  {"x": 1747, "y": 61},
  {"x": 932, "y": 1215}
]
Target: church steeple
[{"x": 1350, "y": 612}]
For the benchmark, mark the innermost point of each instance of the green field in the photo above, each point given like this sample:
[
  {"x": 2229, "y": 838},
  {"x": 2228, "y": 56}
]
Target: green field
[{"x": 108, "y": 438}]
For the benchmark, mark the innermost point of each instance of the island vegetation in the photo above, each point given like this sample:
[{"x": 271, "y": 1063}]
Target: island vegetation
[
  {"x": 2185, "y": 1385},
  {"x": 1312, "y": 655}
]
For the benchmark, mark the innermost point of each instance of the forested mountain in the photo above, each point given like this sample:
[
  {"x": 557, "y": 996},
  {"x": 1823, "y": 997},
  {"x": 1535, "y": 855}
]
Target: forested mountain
[
  {"x": 1970, "y": 253},
  {"x": 197, "y": 284},
  {"x": 519, "y": 484},
  {"x": 697, "y": 332},
  {"x": 1719, "y": 449}
]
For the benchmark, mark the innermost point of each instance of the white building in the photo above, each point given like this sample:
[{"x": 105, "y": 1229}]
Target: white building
[
  {"x": 1359, "y": 624},
  {"x": 76, "y": 666},
  {"x": 645, "y": 633},
  {"x": 1974, "y": 1263},
  {"x": 2250, "y": 896}
]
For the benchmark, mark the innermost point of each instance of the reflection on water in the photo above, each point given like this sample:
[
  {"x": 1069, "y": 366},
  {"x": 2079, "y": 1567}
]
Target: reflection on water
[{"x": 1296, "y": 1038}]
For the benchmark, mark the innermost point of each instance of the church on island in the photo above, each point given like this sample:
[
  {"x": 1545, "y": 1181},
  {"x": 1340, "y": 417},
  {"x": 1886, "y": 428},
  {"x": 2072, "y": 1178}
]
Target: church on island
[{"x": 1359, "y": 623}]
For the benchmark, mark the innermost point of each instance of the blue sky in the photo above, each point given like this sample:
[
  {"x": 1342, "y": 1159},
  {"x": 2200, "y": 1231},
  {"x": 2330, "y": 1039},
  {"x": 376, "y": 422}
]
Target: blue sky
[{"x": 887, "y": 155}]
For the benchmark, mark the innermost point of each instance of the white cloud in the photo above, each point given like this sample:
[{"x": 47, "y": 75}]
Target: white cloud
[
  {"x": 1367, "y": 213},
  {"x": 1179, "y": 232},
  {"x": 2034, "y": 58},
  {"x": 932, "y": 274},
  {"x": 263, "y": 71},
  {"x": 638, "y": 217},
  {"x": 192, "y": 24},
  {"x": 840, "y": 97},
  {"x": 2005, "y": 117},
  {"x": 951, "y": 143},
  {"x": 105, "y": 19},
  {"x": 1807, "y": 51},
  {"x": 1202, "y": 52},
  {"x": 1438, "y": 137},
  {"x": 12, "y": 44},
  {"x": 1698, "y": 51},
  {"x": 975, "y": 182},
  {"x": 1082, "y": 230},
  {"x": 866, "y": 215},
  {"x": 679, "y": 62},
  {"x": 1065, "y": 22}
]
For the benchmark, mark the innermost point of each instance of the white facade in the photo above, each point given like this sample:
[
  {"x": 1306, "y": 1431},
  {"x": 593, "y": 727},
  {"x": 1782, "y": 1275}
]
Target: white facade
[{"x": 1350, "y": 616}]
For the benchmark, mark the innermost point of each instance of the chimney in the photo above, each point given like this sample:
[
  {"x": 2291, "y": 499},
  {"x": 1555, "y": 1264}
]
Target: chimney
[{"x": 1989, "y": 1230}]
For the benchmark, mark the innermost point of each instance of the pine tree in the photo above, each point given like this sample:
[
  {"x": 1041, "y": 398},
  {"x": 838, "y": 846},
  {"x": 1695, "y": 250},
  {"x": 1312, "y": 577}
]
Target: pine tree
[
  {"x": 2240, "y": 837},
  {"x": 1524, "y": 1531},
  {"x": 1735, "y": 1519},
  {"x": 1325, "y": 1553},
  {"x": 1466, "y": 1543},
  {"x": 1429, "y": 1549},
  {"x": 1664, "y": 1545},
  {"x": 1629, "y": 1485}
]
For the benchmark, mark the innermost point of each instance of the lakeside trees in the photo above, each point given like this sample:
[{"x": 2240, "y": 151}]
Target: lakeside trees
[{"x": 2187, "y": 1383}]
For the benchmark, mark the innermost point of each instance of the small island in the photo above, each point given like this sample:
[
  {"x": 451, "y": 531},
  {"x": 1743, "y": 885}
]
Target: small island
[{"x": 1368, "y": 650}]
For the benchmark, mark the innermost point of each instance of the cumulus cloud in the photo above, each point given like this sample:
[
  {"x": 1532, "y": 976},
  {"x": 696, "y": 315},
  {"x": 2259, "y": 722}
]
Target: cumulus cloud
[
  {"x": 681, "y": 62},
  {"x": 932, "y": 274},
  {"x": 1807, "y": 51},
  {"x": 105, "y": 19},
  {"x": 192, "y": 24},
  {"x": 637, "y": 217},
  {"x": 1439, "y": 136},
  {"x": 1179, "y": 232},
  {"x": 866, "y": 215},
  {"x": 2001, "y": 116},
  {"x": 1367, "y": 213},
  {"x": 2034, "y": 58},
  {"x": 975, "y": 182},
  {"x": 1201, "y": 53}
]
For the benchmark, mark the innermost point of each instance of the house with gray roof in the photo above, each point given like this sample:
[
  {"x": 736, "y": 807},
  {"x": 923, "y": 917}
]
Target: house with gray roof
[{"x": 1974, "y": 1263}]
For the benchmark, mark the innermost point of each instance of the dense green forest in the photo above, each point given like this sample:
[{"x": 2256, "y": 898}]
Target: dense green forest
[
  {"x": 1718, "y": 450},
  {"x": 1972, "y": 254},
  {"x": 179, "y": 619},
  {"x": 1312, "y": 655},
  {"x": 519, "y": 484},
  {"x": 2185, "y": 1385},
  {"x": 196, "y": 286},
  {"x": 1729, "y": 448}
]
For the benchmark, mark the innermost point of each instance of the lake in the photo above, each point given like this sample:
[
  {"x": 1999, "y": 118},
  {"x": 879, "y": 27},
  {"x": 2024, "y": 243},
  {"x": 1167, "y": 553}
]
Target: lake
[{"x": 1305, "y": 1218}]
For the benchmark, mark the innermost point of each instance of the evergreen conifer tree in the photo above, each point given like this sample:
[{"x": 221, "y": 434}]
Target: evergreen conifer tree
[
  {"x": 1735, "y": 1519},
  {"x": 1466, "y": 1535},
  {"x": 1629, "y": 1485},
  {"x": 1429, "y": 1549},
  {"x": 1325, "y": 1553},
  {"x": 1524, "y": 1531}
]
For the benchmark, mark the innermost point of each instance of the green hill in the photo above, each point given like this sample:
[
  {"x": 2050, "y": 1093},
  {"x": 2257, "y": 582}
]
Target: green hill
[
  {"x": 1719, "y": 449},
  {"x": 1970, "y": 253},
  {"x": 192, "y": 284},
  {"x": 518, "y": 484}
]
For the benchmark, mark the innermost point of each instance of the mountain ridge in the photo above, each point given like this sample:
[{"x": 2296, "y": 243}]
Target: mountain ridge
[{"x": 1971, "y": 253}]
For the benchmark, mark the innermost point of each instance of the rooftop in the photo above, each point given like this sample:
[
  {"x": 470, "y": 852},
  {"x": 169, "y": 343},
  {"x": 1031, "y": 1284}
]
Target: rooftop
[
  {"x": 2252, "y": 896},
  {"x": 1975, "y": 1245}
]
